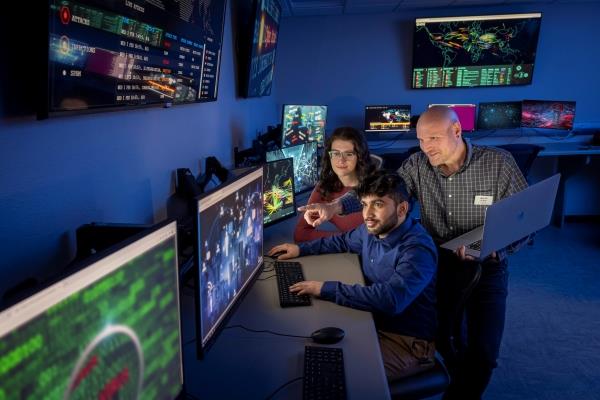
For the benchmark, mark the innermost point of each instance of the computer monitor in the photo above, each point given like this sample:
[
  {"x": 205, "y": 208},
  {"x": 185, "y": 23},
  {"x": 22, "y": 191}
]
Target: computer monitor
[
  {"x": 499, "y": 115},
  {"x": 465, "y": 113},
  {"x": 303, "y": 123},
  {"x": 306, "y": 173},
  {"x": 387, "y": 118},
  {"x": 279, "y": 201},
  {"x": 229, "y": 251},
  {"x": 109, "y": 330},
  {"x": 477, "y": 50},
  {"x": 548, "y": 114}
]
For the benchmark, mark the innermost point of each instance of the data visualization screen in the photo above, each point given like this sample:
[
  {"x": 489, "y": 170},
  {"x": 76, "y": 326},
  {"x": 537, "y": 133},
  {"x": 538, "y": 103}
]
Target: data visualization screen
[
  {"x": 489, "y": 50},
  {"x": 111, "y": 330},
  {"x": 129, "y": 53}
]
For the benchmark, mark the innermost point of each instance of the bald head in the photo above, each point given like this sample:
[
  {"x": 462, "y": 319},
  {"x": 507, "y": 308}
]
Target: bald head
[
  {"x": 438, "y": 115},
  {"x": 440, "y": 138}
]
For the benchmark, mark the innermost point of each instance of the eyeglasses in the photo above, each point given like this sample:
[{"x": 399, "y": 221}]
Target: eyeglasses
[{"x": 346, "y": 155}]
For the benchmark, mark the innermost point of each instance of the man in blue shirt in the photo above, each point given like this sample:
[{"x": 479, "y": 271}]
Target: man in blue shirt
[{"x": 399, "y": 262}]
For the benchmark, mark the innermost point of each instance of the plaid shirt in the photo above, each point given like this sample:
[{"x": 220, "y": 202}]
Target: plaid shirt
[{"x": 448, "y": 206}]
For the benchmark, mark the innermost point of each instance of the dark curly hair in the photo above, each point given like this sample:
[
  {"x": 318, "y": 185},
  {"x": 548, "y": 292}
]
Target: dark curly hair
[
  {"x": 329, "y": 182},
  {"x": 383, "y": 183}
]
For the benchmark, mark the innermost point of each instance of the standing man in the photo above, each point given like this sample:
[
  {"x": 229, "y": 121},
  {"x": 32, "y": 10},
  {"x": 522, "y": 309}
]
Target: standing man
[
  {"x": 454, "y": 182},
  {"x": 398, "y": 260}
]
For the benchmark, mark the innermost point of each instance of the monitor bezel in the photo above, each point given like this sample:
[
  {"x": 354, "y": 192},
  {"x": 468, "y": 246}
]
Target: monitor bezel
[
  {"x": 533, "y": 14},
  {"x": 294, "y": 213},
  {"x": 499, "y": 102},
  {"x": 383, "y": 131},
  {"x": 319, "y": 144},
  {"x": 87, "y": 265},
  {"x": 202, "y": 349}
]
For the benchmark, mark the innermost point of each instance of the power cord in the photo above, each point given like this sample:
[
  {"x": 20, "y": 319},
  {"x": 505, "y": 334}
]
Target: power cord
[
  {"x": 264, "y": 331},
  {"x": 272, "y": 395},
  {"x": 268, "y": 277}
]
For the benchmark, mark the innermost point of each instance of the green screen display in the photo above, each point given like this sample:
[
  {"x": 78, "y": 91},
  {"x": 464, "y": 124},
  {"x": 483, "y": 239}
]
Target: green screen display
[{"x": 117, "y": 338}]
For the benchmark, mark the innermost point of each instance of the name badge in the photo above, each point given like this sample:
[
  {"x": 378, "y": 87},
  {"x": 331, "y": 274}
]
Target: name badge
[{"x": 483, "y": 200}]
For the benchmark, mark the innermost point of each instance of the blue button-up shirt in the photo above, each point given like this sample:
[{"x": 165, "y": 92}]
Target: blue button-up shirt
[{"x": 400, "y": 274}]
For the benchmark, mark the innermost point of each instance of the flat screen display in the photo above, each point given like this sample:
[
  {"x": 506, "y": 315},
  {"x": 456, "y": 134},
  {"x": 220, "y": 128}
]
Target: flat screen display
[
  {"x": 387, "y": 118},
  {"x": 278, "y": 191},
  {"x": 499, "y": 115},
  {"x": 264, "y": 44},
  {"x": 114, "y": 55},
  {"x": 229, "y": 251},
  {"x": 306, "y": 173},
  {"x": 465, "y": 113},
  {"x": 487, "y": 50},
  {"x": 111, "y": 330},
  {"x": 302, "y": 124},
  {"x": 548, "y": 114}
]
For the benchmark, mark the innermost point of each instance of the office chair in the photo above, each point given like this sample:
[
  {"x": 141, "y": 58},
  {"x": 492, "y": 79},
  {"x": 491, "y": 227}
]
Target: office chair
[
  {"x": 524, "y": 155},
  {"x": 435, "y": 380},
  {"x": 376, "y": 160},
  {"x": 393, "y": 161}
]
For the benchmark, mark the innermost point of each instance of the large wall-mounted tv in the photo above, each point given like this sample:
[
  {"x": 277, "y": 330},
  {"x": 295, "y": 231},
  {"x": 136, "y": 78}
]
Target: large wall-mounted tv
[
  {"x": 490, "y": 50},
  {"x": 115, "y": 55},
  {"x": 263, "y": 46}
]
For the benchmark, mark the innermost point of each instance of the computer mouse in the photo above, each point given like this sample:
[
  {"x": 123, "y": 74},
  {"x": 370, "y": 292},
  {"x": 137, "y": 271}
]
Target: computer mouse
[
  {"x": 280, "y": 252},
  {"x": 328, "y": 335}
]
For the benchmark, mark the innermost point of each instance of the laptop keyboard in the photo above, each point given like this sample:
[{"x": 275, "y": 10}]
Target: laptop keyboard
[
  {"x": 288, "y": 273},
  {"x": 475, "y": 245}
]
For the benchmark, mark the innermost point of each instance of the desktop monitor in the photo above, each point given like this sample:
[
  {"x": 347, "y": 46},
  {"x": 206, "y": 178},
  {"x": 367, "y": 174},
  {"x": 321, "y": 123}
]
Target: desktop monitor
[
  {"x": 465, "y": 113},
  {"x": 109, "y": 330},
  {"x": 469, "y": 51},
  {"x": 229, "y": 251},
  {"x": 306, "y": 174},
  {"x": 500, "y": 115},
  {"x": 389, "y": 118},
  {"x": 303, "y": 123},
  {"x": 279, "y": 201},
  {"x": 548, "y": 114}
]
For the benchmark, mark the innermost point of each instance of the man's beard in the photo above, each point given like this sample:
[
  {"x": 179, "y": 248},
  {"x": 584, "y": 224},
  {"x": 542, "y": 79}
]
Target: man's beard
[{"x": 385, "y": 228}]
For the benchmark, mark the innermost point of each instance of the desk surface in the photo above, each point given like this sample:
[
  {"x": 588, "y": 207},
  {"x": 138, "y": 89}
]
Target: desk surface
[{"x": 245, "y": 365}]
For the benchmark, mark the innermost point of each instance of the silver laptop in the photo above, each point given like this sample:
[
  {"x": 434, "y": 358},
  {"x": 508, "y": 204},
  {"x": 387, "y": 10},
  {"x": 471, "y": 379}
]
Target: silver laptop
[{"x": 510, "y": 219}]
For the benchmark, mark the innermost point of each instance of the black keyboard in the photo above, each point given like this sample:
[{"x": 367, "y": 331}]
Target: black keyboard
[
  {"x": 475, "y": 245},
  {"x": 323, "y": 373},
  {"x": 288, "y": 273}
]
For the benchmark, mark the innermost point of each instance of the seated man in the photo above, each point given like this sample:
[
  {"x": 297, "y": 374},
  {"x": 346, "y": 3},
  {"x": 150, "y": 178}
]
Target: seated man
[{"x": 399, "y": 262}]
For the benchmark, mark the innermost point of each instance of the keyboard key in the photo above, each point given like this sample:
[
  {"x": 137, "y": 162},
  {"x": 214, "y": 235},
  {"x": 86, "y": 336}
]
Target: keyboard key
[{"x": 324, "y": 376}]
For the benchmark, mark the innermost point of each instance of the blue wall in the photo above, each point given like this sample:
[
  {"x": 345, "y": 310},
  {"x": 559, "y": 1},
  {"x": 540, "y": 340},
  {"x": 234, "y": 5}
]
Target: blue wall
[
  {"x": 350, "y": 61},
  {"x": 113, "y": 167}
]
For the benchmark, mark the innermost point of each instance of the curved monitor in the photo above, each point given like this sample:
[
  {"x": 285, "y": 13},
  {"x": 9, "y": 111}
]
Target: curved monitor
[
  {"x": 484, "y": 50},
  {"x": 229, "y": 251},
  {"x": 110, "y": 330}
]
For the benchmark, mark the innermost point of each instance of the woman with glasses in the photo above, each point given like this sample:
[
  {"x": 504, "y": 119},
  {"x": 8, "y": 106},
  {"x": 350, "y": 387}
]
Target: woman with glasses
[{"x": 346, "y": 161}]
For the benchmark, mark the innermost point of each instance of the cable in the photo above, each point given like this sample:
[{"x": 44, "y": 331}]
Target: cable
[
  {"x": 282, "y": 386},
  {"x": 264, "y": 331},
  {"x": 268, "y": 277}
]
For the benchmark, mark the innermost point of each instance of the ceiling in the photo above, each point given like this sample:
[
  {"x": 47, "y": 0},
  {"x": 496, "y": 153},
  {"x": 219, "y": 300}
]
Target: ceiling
[{"x": 300, "y": 8}]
